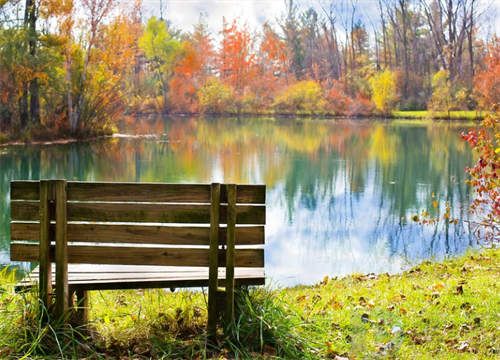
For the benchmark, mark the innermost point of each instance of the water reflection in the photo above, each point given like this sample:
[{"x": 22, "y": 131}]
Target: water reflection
[{"x": 341, "y": 193}]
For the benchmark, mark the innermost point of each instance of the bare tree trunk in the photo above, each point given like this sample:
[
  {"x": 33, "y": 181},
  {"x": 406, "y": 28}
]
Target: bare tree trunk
[
  {"x": 23, "y": 108},
  {"x": 384, "y": 33},
  {"x": 31, "y": 18},
  {"x": 470, "y": 40}
]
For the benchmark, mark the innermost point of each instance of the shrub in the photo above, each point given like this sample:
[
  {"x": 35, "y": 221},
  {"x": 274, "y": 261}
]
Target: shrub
[
  {"x": 304, "y": 97},
  {"x": 215, "y": 97},
  {"x": 337, "y": 101},
  {"x": 361, "y": 106}
]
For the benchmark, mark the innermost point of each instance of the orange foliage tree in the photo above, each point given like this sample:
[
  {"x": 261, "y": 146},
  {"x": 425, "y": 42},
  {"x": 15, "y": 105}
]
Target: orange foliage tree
[
  {"x": 184, "y": 83},
  {"x": 191, "y": 71},
  {"x": 236, "y": 59},
  {"x": 487, "y": 81},
  {"x": 272, "y": 68}
]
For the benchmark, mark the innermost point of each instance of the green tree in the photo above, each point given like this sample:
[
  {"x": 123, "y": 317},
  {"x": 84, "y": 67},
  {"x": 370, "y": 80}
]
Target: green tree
[
  {"x": 162, "y": 51},
  {"x": 384, "y": 91},
  {"x": 442, "y": 94}
]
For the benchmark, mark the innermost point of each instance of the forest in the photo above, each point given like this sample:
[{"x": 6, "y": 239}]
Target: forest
[{"x": 74, "y": 67}]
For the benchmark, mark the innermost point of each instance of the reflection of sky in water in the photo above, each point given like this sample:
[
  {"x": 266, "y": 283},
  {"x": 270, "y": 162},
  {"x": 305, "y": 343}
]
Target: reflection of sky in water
[
  {"x": 340, "y": 193},
  {"x": 328, "y": 239}
]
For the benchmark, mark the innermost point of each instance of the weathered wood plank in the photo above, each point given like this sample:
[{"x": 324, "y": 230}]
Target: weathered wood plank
[
  {"x": 95, "y": 277},
  {"x": 24, "y": 190},
  {"x": 94, "y": 271},
  {"x": 124, "y": 255},
  {"x": 44, "y": 232},
  {"x": 141, "y": 234},
  {"x": 246, "y": 194},
  {"x": 61, "y": 249},
  {"x": 230, "y": 252},
  {"x": 25, "y": 210},
  {"x": 140, "y": 212},
  {"x": 140, "y": 192},
  {"x": 213, "y": 259}
]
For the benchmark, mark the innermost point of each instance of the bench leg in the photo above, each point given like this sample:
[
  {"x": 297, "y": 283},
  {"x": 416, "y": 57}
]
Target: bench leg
[{"x": 82, "y": 306}]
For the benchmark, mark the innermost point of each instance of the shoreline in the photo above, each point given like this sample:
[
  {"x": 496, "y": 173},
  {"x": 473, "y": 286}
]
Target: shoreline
[{"x": 419, "y": 116}]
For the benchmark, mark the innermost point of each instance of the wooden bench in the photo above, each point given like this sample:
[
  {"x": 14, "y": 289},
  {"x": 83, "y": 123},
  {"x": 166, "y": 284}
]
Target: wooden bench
[{"x": 97, "y": 236}]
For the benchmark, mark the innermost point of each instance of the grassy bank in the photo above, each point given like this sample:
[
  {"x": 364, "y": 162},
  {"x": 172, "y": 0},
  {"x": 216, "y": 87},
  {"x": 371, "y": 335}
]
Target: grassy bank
[
  {"x": 439, "y": 115},
  {"x": 435, "y": 310}
]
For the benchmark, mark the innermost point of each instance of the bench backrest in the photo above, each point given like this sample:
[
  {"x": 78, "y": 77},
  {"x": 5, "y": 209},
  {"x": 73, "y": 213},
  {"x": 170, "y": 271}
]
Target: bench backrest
[{"x": 137, "y": 223}]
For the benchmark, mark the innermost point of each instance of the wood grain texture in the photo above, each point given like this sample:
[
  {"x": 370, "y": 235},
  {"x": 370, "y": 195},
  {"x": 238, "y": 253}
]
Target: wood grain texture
[
  {"x": 141, "y": 234},
  {"x": 24, "y": 190},
  {"x": 44, "y": 232},
  {"x": 213, "y": 259},
  {"x": 230, "y": 252},
  {"x": 124, "y": 255},
  {"x": 141, "y": 192},
  {"x": 100, "y": 277},
  {"x": 140, "y": 212},
  {"x": 61, "y": 250}
]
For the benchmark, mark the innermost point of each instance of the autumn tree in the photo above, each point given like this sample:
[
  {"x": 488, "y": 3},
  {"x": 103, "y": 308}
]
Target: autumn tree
[
  {"x": 487, "y": 81},
  {"x": 272, "y": 68},
  {"x": 485, "y": 141},
  {"x": 384, "y": 91},
  {"x": 191, "y": 71},
  {"x": 185, "y": 80},
  {"x": 236, "y": 58},
  {"x": 442, "y": 95},
  {"x": 161, "y": 50}
]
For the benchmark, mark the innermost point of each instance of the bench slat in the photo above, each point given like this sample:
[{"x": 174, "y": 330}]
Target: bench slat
[
  {"x": 140, "y": 192},
  {"x": 140, "y": 212},
  {"x": 140, "y": 234},
  {"x": 121, "y": 255}
]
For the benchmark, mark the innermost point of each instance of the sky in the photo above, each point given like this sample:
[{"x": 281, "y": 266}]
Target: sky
[{"x": 183, "y": 14}]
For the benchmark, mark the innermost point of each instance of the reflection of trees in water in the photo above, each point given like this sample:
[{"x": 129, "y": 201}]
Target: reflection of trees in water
[{"x": 345, "y": 174}]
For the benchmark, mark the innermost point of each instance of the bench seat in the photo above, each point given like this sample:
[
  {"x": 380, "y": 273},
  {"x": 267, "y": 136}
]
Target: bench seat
[{"x": 115, "y": 277}]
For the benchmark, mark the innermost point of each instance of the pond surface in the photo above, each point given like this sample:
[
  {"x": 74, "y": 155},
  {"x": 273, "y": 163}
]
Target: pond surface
[{"x": 340, "y": 193}]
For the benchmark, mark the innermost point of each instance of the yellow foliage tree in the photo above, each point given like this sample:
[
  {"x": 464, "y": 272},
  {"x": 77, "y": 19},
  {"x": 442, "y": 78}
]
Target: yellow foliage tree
[
  {"x": 384, "y": 91},
  {"x": 215, "y": 97},
  {"x": 442, "y": 95},
  {"x": 304, "y": 97}
]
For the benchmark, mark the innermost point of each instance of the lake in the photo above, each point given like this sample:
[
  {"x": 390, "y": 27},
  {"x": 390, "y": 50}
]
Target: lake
[{"x": 341, "y": 194}]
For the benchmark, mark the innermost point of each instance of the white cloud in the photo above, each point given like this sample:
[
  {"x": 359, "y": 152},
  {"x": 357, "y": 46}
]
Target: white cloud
[{"x": 184, "y": 14}]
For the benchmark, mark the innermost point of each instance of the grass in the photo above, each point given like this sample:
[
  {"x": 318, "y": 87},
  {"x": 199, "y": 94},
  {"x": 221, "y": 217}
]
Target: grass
[
  {"x": 439, "y": 115},
  {"x": 447, "y": 310}
]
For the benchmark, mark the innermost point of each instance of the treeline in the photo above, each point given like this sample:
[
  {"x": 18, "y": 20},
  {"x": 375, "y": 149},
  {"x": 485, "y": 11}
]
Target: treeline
[{"x": 75, "y": 66}]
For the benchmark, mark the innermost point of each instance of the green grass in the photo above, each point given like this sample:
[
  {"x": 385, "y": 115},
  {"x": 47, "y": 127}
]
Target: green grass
[
  {"x": 447, "y": 310},
  {"x": 439, "y": 115}
]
